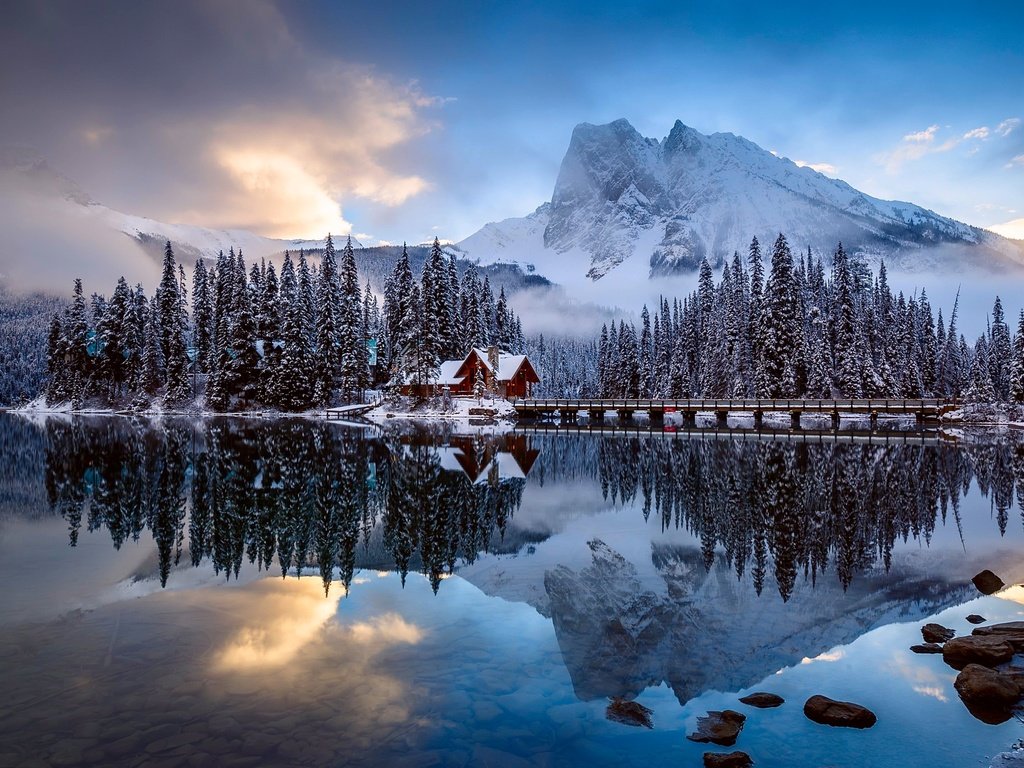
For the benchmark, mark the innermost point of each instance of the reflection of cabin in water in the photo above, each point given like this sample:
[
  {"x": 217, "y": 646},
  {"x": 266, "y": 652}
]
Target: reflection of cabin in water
[
  {"x": 507, "y": 458},
  {"x": 499, "y": 372}
]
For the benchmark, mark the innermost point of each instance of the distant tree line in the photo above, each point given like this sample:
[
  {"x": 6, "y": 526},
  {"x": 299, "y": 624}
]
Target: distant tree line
[
  {"x": 23, "y": 320},
  {"x": 256, "y": 338},
  {"x": 803, "y": 331}
]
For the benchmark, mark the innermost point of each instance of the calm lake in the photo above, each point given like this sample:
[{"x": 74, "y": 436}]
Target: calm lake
[{"x": 243, "y": 592}]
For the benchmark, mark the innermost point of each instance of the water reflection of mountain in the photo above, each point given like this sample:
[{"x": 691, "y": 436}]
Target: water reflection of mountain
[
  {"x": 291, "y": 493},
  {"x": 704, "y": 629}
]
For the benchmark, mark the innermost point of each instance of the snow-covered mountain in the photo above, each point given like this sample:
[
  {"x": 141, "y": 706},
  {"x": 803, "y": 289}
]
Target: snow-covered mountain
[{"x": 665, "y": 205}]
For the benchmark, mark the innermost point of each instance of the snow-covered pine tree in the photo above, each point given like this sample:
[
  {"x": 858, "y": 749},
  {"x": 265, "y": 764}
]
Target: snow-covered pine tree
[
  {"x": 980, "y": 389},
  {"x": 327, "y": 362},
  {"x": 782, "y": 333},
  {"x": 1017, "y": 366},
  {"x": 1000, "y": 352},
  {"x": 202, "y": 315},
  {"x": 352, "y": 345},
  {"x": 487, "y": 309}
]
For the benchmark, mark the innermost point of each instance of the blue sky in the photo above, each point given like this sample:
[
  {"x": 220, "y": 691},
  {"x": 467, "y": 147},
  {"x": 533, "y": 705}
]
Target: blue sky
[{"x": 405, "y": 120}]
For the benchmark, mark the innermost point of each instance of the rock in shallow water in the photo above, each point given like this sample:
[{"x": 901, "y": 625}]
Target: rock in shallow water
[
  {"x": 989, "y": 695},
  {"x": 763, "y": 700},
  {"x": 842, "y": 714},
  {"x": 629, "y": 713},
  {"x": 988, "y": 651},
  {"x": 1011, "y": 631},
  {"x": 936, "y": 633},
  {"x": 718, "y": 728},
  {"x": 987, "y": 582},
  {"x": 927, "y": 648},
  {"x": 976, "y": 619},
  {"x": 727, "y": 760}
]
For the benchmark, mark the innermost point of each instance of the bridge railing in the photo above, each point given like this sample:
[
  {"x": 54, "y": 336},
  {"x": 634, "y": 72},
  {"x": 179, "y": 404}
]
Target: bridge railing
[{"x": 890, "y": 405}]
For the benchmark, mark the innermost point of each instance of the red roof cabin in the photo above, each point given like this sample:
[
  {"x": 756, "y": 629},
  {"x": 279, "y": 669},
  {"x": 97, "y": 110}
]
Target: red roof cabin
[{"x": 503, "y": 373}]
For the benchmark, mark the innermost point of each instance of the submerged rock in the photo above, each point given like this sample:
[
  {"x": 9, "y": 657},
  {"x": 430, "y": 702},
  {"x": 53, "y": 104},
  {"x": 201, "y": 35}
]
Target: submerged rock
[
  {"x": 987, "y": 582},
  {"x": 989, "y": 651},
  {"x": 842, "y": 714},
  {"x": 936, "y": 633},
  {"x": 629, "y": 713},
  {"x": 718, "y": 728},
  {"x": 989, "y": 695},
  {"x": 727, "y": 760},
  {"x": 1012, "y": 759},
  {"x": 926, "y": 648},
  {"x": 763, "y": 700},
  {"x": 976, "y": 619}
]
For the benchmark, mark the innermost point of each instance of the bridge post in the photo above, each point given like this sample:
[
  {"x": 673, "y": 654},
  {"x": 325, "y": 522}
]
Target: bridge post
[
  {"x": 874, "y": 420},
  {"x": 722, "y": 418},
  {"x": 758, "y": 419},
  {"x": 625, "y": 414},
  {"x": 657, "y": 416},
  {"x": 689, "y": 418},
  {"x": 835, "y": 419},
  {"x": 596, "y": 415},
  {"x": 567, "y": 416},
  {"x": 794, "y": 419}
]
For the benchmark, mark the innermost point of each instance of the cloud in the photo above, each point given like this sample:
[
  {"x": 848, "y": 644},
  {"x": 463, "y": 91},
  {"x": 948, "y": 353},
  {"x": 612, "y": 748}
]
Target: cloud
[
  {"x": 826, "y": 168},
  {"x": 1008, "y": 126},
  {"x": 1017, "y": 161},
  {"x": 221, "y": 116},
  {"x": 977, "y": 133},
  {"x": 923, "y": 137},
  {"x": 915, "y": 146}
]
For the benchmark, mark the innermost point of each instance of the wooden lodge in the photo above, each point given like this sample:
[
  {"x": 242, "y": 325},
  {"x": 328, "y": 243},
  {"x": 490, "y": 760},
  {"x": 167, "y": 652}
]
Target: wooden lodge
[{"x": 500, "y": 373}]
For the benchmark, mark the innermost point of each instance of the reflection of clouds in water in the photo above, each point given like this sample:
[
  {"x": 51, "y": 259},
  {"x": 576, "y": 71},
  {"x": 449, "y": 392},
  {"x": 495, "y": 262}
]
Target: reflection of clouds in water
[
  {"x": 284, "y": 616},
  {"x": 834, "y": 655},
  {"x": 387, "y": 629},
  {"x": 1014, "y": 594},
  {"x": 933, "y": 691},
  {"x": 923, "y": 679}
]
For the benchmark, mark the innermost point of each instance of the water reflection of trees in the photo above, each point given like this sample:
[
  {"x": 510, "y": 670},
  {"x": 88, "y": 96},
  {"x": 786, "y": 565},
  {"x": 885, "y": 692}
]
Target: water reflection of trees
[
  {"x": 795, "y": 508},
  {"x": 291, "y": 495},
  {"x": 299, "y": 494}
]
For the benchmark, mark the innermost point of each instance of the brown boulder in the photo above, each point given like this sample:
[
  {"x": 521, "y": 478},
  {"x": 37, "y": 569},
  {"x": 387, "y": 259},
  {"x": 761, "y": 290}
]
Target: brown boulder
[
  {"x": 936, "y": 633},
  {"x": 718, "y": 728},
  {"x": 629, "y": 713},
  {"x": 843, "y": 714},
  {"x": 988, "y": 695},
  {"x": 989, "y": 651},
  {"x": 976, "y": 619},
  {"x": 987, "y": 582},
  {"x": 727, "y": 760},
  {"x": 927, "y": 648},
  {"x": 1012, "y": 632},
  {"x": 763, "y": 700}
]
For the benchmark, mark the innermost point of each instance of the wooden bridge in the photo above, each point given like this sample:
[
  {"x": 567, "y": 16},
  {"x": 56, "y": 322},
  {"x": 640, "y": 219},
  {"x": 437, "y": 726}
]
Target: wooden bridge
[{"x": 924, "y": 410}]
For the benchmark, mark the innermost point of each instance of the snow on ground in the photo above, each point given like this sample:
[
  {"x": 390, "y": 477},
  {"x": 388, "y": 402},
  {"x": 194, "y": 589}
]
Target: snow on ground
[{"x": 454, "y": 410}]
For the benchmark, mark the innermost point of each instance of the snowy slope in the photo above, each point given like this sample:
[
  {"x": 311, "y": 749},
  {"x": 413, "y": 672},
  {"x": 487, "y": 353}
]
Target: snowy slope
[{"x": 670, "y": 203}]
